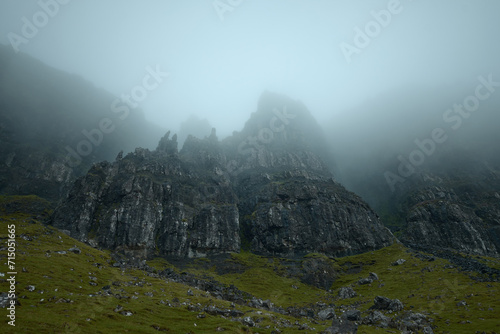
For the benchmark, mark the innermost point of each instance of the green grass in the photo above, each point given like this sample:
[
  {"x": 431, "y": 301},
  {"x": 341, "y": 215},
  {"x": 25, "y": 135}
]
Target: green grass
[
  {"x": 432, "y": 288},
  {"x": 24, "y": 204},
  {"x": 426, "y": 287},
  {"x": 66, "y": 276}
]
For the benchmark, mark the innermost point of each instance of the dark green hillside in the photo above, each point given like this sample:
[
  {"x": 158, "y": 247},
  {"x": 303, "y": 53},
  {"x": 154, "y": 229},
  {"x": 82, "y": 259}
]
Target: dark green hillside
[{"x": 79, "y": 289}]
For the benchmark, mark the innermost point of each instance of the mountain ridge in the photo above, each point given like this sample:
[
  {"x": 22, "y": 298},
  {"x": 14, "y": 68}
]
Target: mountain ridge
[{"x": 212, "y": 198}]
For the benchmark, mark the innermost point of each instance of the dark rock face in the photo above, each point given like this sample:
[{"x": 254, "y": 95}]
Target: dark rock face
[
  {"x": 289, "y": 203},
  {"x": 303, "y": 214},
  {"x": 27, "y": 170},
  {"x": 266, "y": 188},
  {"x": 153, "y": 203},
  {"x": 455, "y": 210}
]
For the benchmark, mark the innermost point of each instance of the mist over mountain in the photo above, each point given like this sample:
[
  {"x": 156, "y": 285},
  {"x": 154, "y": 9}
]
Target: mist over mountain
[
  {"x": 401, "y": 136},
  {"x": 258, "y": 166},
  {"x": 55, "y": 125},
  {"x": 193, "y": 126},
  {"x": 379, "y": 134},
  {"x": 429, "y": 166}
]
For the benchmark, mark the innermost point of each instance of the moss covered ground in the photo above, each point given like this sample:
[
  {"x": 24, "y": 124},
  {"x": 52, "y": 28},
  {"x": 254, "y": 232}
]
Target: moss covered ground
[{"x": 68, "y": 295}]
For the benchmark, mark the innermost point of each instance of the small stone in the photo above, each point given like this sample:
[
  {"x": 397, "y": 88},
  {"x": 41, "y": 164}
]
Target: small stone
[
  {"x": 304, "y": 327},
  {"x": 399, "y": 262},
  {"x": 63, "y": 300},
  {"x": 352, "y": 315},
  {"x": 248, "y": 321},
  {"x": 396, "y": 305},
  {"x": 346, "y": 292},
  {"x": 381, "y": 303},
  {"x": 326, "y": 314},
  {"x": 428, "y": 330},
  {"x": 340, "y": 326},
  {"x": 26, "y": 237},
  {"x": 75, "y": 250},
  {"x": 365, "y": 281}
]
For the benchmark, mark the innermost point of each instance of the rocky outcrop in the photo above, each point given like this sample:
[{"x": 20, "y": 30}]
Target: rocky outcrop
[
  {"x": 153, "y": 203},
  {"x": 459, "y": 211},
  {"x": 266, "y": 189},
  {"x": 293, "y": 213},
  {"x": 26, "y": 170},
  {"x": 290, "y": 204}
]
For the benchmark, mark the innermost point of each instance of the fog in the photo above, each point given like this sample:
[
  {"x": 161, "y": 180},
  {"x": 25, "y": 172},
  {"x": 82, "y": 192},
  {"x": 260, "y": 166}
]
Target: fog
[
  {"x": 382, "y": 76},
  {"x": 221, "y": 55}
]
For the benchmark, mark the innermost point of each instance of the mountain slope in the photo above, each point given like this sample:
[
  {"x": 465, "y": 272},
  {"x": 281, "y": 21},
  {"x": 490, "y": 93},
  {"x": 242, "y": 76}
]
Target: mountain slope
[
  {"x": 66, "y": 286},
  {"x": 54, "y": 125},
  {"x": 432, "y": 195},
  {"x": 215, "y": 197}
]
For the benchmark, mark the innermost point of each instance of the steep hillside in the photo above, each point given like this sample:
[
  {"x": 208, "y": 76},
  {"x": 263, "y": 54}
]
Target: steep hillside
[
  {"x": 65, "y": 286},
  {"x": 54, "y": 125},
  {"x": 265, "y": 189},
  {"x": 434, "y": 195}
]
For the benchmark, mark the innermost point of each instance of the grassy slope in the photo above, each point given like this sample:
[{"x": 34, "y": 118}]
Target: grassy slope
[{"x": 432, "y": 288}]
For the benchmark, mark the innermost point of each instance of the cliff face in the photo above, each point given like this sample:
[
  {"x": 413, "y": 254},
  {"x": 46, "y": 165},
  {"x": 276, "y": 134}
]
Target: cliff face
[
  {"x": 450, "y": 197},
  {"x": 294, "y": 213},
  {"x": 265, "y": 189},
  {"x": 452, "y": 202},
  {"x": 289, "y": 202},
  {"x": 154, "y": 202},
  {"x": 455, "y": 209}
]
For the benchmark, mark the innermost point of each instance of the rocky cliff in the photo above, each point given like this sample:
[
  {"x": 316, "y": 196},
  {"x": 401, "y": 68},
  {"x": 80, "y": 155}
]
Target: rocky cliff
[
  {"x": 433, "y": 196},
  {"x": 266, "y": 189},
  {"x": 289, "y": 202},
  {"x": 455, "y": 208},
  {"x": 154, "y": 202}
]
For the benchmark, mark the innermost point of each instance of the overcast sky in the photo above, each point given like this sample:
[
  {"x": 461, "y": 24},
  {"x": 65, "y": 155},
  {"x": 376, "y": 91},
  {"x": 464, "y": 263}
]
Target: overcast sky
[{"x": 220, "y": 58}]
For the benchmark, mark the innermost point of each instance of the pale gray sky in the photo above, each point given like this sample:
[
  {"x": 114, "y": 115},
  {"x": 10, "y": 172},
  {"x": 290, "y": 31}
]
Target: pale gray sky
[{"x": 218, "y": 68}]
